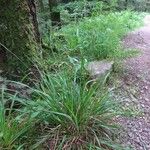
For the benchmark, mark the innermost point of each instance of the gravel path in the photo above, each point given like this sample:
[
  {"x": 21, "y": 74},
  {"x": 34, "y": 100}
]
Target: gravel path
[{"x": 137, "y": 80}]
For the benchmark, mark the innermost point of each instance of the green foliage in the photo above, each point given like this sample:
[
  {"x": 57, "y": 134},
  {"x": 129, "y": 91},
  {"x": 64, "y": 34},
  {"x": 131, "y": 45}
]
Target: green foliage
[
  {"x": 74, "y": 11},
  {"x": 77, "y": 10},
  {"x": 98, "y": 37},
  {"x": 137, "y": 5}
]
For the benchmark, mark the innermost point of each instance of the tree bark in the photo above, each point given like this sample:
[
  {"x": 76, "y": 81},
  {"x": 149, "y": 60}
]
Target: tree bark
[
  {"x": 19, "y": 34},
  {"x": 33, "y": 15}
]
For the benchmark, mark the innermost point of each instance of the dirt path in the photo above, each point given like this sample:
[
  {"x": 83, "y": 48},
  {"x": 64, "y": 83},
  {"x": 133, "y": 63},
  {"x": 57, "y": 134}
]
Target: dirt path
[{"x": 137, "y": 82}]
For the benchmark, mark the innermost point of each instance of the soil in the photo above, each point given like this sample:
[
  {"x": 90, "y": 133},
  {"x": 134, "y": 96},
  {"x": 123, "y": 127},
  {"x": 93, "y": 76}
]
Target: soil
[{"x": 136, "y": 80}]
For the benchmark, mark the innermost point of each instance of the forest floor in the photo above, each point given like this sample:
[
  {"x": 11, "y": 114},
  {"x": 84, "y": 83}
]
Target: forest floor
[{"x": 136, "y": 80}]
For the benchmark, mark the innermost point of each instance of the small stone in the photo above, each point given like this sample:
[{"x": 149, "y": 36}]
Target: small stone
[
  {"x": 147, "y": 99},
  {"x": 146, "y": 87},
  {"x": 142, "y": 105},
  {"x": 130, "y": 135},
  {"x": 99, "y": 69}
]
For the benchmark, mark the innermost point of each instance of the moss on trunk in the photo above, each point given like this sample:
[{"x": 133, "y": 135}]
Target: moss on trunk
[{"x": 18, "y": 34}]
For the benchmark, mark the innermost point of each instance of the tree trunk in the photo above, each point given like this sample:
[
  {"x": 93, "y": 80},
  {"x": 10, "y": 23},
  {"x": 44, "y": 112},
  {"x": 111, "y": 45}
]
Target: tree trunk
[
  {"x": 19, "y": 34},
  {"x": 55, "y": 15},
  {"x": 126, "y": 4},
  {"x": 52, "y": 3},
  {"x": 41, "y": 5}
]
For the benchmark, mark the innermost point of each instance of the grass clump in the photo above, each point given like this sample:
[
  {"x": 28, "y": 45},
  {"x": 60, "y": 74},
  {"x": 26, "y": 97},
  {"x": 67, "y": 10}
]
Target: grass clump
[
  {"x": 73, "y": 115},
  {"x": 65, "y": 113}
]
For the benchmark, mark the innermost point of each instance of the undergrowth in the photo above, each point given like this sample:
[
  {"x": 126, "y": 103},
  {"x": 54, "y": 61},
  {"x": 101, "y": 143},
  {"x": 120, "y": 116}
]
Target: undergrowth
[{"x": 97, "y": 37}]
